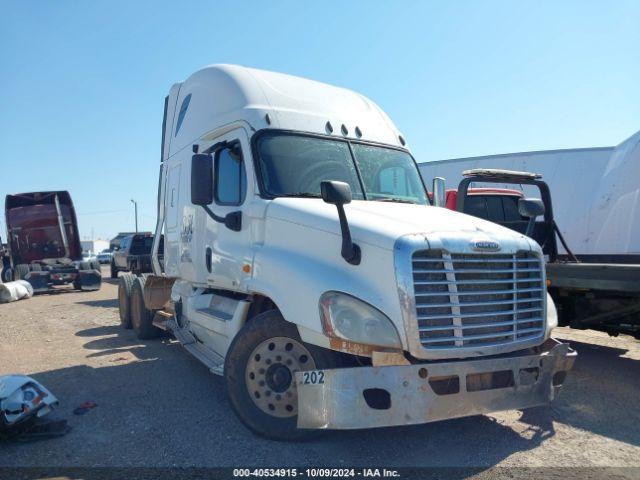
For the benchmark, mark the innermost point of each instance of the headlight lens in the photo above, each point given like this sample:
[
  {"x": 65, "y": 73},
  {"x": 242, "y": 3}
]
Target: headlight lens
[{"x": 346, "y": 317}]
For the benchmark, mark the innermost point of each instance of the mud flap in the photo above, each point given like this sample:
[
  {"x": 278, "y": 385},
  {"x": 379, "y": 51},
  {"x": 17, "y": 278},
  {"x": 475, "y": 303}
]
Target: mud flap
[
  {"x": 90, "y": 280},
  {"x": 157, "y": 291},
  {"x": 39, "y": 281}
]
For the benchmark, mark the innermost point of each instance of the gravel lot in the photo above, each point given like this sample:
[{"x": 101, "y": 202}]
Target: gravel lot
[{"x": 158, "y": 406}]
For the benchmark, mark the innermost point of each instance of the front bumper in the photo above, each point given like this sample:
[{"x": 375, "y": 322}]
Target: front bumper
[{"x": 366, "y": 397}]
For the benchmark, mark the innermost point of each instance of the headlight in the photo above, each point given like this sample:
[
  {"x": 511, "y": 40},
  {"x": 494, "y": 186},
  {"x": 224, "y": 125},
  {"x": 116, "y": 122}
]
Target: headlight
[{"x": 346, "y": 317}]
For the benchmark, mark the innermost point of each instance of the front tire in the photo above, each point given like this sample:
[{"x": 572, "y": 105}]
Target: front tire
[
  {"x": 260, "y": 373},
  {"x": 7, "y": 274}
]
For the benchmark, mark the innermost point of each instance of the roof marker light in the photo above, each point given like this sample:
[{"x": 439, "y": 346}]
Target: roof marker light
[
  {"x": 329, "y": 128},
  {"x": 267, "y": 119},
  {"x": 344, "y": 130},
  {"x": 401, "y": 138},
  {"x": 358, "y": 132}
]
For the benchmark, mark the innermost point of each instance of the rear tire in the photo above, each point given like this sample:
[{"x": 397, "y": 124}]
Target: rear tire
[
  {"x": 20, "y": 271},
  {"x": 114, "y": 270},
  {"x": 141, "y": 317},
  {"x": 249, "y": 359},
  {"x": 7, "y": 274},
  {"x": 125, "y": 285}
]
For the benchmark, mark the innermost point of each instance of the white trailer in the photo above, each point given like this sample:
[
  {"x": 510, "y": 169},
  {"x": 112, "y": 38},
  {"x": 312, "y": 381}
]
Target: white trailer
[{"x": 304, "y": 262}]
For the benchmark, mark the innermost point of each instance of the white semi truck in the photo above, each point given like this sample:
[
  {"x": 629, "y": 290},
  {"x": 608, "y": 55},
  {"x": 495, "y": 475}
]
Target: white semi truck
[{"x": 303, "y": 261}]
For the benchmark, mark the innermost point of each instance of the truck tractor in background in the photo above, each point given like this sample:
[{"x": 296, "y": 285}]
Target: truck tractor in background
[
  {"x": 304, "y": 262},
  {"x": 43, "y": 243},
  {"x": 133, "y": 254}
]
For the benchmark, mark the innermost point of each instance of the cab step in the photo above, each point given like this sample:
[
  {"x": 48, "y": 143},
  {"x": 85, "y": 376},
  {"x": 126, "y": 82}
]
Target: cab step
[{"x": 212, "y": 360}]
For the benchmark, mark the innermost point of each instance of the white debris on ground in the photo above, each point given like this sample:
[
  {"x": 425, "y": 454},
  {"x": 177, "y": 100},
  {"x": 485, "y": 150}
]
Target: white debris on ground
[{"x": 13, "y": 291}]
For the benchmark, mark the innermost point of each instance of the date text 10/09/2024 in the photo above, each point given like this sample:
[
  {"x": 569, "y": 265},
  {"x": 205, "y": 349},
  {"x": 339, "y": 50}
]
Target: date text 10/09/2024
[{"x": 316, "y": 472}]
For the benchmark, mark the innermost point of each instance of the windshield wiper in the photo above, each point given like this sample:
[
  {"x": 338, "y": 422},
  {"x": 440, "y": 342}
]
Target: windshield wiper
[
  {"x": 301, "y": 195},
  {"x": 393, "y": 199}
]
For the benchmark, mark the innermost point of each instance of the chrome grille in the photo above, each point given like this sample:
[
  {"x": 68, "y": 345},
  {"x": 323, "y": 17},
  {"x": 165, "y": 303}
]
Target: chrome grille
[{"x": 467, "y": 300}]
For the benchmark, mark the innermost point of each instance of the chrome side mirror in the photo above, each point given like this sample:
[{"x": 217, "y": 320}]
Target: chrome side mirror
[
  {"x": 439, "y": 192},
  {"x": 530, "y": 208}
]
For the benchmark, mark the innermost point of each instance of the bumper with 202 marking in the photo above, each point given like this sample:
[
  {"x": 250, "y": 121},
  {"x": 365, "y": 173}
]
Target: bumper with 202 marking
[{"x": 366, "y": 397}]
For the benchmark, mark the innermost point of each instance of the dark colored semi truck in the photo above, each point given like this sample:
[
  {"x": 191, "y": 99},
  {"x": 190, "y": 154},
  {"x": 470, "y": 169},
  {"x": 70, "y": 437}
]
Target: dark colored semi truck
[{"x": 43, "y": 243}]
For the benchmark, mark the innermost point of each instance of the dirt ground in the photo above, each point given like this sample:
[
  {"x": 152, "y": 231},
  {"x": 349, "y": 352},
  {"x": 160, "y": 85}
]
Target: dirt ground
[{"x": 158, "y": 406}]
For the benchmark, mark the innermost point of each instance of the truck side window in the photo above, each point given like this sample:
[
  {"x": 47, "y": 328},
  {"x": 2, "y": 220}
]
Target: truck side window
[
  {"x": 230, "y": 179},
  {"x": 182, "y": 113},
  {"x": 511, "y": 214},
  {"x": 495, "y": 212},
  {"x": 476, "y": 205}
]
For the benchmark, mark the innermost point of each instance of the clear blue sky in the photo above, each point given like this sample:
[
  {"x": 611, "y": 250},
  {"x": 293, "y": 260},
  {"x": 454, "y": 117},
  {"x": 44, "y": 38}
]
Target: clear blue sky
[{"x": 82, "y": 83}]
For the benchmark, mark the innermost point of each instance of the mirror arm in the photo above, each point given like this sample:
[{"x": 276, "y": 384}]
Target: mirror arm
[
  {"x": 530, "y": 226},
  {"x": 233, "y": 220},
  {"x": 350, "y": 251}
]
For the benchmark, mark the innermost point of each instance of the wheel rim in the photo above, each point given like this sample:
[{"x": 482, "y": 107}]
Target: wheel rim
[{"x": 270, "y": 375}]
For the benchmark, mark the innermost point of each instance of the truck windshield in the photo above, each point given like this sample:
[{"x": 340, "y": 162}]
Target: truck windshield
[{"x": 294, "y": 165}]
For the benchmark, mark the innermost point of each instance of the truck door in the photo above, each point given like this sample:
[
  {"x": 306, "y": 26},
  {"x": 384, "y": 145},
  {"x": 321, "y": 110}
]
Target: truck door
[
  {"x": 226, "y": 251},
  {"x": 120, "y": 256}
]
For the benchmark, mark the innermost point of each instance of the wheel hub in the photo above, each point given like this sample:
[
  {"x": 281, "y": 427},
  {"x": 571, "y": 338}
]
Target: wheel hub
[
  {"x": 270, "y": 375},
  {"x": 278, "y": 377}
]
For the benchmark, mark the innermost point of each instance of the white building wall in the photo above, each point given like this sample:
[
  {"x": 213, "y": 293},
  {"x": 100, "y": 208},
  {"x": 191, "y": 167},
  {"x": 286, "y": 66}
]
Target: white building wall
[{"x": 94, "y": 246}]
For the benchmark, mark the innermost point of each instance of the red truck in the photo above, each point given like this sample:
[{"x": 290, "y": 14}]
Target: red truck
[{"x": 43, "y": 243}]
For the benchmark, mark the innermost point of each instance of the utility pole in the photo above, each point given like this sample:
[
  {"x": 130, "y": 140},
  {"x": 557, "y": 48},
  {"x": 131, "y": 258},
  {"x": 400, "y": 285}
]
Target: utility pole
[{"x": 135, "y": 208}]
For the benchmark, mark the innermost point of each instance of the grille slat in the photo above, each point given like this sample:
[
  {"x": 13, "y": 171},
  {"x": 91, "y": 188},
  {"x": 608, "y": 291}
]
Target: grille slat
[
  {"x": 479, "y": 292},
  {"x": 483, "y": 336},
  {"x": 495, "y": 313},
  {"x": 477, "y": 270},
  {"x": 470, "y": 300},
  {"x": 479, "y": 304},
  {"x": 417, "y": 257},
  {"x": 478, "y": 282},
  {"x": 482, "y": 325}
]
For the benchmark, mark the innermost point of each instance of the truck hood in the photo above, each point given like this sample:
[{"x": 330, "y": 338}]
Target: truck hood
[{"x": 382, "y": 223}]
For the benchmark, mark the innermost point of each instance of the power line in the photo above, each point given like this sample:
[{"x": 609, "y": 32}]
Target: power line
[{"x": 103, "y": 212}]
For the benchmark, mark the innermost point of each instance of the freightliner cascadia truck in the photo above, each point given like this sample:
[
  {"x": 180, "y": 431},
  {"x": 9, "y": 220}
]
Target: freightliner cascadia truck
[{"x": 304, "y": 262}]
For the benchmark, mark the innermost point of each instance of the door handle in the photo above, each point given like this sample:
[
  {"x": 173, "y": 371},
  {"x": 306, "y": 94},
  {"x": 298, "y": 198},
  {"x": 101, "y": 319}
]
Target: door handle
[{"x": 207, "y": 258}]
